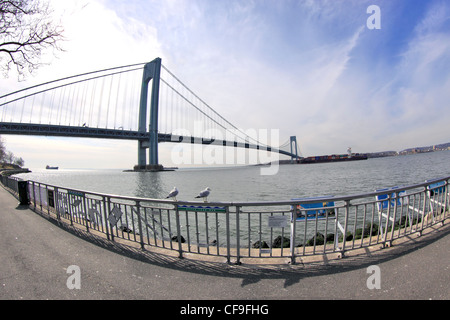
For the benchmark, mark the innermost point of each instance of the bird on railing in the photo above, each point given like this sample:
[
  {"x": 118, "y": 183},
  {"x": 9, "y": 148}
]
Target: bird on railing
[
  {"x": 173, "y": 194},
  {"x": 204, "y": 194}
]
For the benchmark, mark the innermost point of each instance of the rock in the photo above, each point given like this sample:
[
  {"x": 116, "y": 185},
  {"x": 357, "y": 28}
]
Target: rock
[
  {"x": 124, "y": 228},
  {"x": 330, "y": 237},
  {"x": 319, "y": 240},
  {"x": 374, "y": 229},
  {"x": 259, "y": 244},
  {"x": 367, "y": 228},
  {"x": 175, "y": 238},
  {"x": 348, "y": 237},
  {"x": 281, "y": 242}
]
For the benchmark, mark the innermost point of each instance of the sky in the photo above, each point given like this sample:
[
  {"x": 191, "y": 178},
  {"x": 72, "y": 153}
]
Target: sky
[{"x": 315, "y": 69}]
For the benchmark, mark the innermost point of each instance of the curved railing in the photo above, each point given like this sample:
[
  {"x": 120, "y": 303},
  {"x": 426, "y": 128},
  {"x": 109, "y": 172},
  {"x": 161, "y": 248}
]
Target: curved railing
[{"x": 235, "y": 231}]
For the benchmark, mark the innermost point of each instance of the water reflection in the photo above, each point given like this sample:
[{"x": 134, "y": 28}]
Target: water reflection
[{"x": 149, "y": 185}]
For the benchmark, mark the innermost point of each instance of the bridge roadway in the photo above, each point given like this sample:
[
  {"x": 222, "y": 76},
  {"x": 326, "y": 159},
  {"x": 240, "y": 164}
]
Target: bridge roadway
[
  {"x": 91, "y": 132},
  {"x": 36, "y": 253}
]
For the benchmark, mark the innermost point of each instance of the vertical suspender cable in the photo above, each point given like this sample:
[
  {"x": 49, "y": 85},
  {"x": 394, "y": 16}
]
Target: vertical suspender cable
[
  {"x": 51, "y": 107},
  {"x": 171, "y": 112},
  {"x": 72, "y": 103},
  {"x": 32, "y": 107},
  {"x": 124, "y": 102},
  {"x": 117, "y": 99},
  {"x": 23, "y": 107},
  {"x": 109, "y": 99},
  {"x": 66, "y": 105},
  {"x": 91, "y": 107},
  {"x": 76, "y": 104},
  {"x": 100, "y": 102},
  {"x": 61, "y": 95},
  {"x": 82, "y": 116},
  {"x": 42, "y": 107}
]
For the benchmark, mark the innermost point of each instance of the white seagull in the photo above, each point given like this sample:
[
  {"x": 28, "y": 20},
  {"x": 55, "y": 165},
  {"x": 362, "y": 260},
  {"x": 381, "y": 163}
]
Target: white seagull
[
  {"x": 173, "y": 193},
  {"x": 204, "y": 194}
]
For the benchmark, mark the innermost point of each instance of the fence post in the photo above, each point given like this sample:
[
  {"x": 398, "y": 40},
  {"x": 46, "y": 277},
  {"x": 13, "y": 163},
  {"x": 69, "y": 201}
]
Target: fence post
[
  {"x": 85, "y": 212},
  {"x": 180, "y": 246},
  {"x": 141, "y": 233},
  {"x": 227, "y": 226},
  {"x": 69, "y": 207},
  {"x": 446, "y": 202},
  {"x": 56, "y": 202},
  {"x": 238, "y": 235},
  {"x": 40, "y": 197},
  {"x": 396, "y": 200},
  {"x": 344, "y": 236},
  {"x": 34, "y": 194},
  {"x": 46, "y": 196},
  {"x": 424, "y": 208},
  {"x": 292, "y": 243},
  {"x": 105, "y": 217}
]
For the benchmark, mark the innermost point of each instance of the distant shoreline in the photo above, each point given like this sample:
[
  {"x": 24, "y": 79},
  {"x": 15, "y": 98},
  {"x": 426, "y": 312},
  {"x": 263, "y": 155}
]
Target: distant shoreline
[{"x": 11, "y": 170}]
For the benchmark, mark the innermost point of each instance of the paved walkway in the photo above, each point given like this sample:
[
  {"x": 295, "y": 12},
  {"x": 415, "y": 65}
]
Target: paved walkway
[{"x": 36, "y": 254}]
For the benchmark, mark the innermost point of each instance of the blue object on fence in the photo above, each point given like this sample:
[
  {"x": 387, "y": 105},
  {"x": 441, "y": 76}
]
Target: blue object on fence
[
  {"x": 392, "y": 195},
  {"x": 322, "y": 208},
  {"x": 436, "y": 188}
]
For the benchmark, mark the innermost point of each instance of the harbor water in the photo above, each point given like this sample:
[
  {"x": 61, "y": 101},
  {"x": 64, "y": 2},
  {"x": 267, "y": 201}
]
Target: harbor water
[
  {"x": 241, "y": 184},
  {"x": 252, "y": 226}
]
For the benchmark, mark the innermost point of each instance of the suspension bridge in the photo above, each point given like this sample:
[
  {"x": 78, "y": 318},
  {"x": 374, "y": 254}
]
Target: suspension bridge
[{"x": 143, "y": 102}]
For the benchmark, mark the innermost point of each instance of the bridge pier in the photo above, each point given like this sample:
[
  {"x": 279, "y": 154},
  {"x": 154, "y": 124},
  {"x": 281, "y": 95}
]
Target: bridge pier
[
  {"x": 293, "y": 141},
  {"x": 151, "y": 168},
  {"x": 152, "y": 71}
]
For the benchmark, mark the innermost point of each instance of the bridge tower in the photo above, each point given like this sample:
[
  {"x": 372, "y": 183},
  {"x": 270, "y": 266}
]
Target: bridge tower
[
  {"x": 293, "y": 141},
  {"x": 152, "y": 71}
]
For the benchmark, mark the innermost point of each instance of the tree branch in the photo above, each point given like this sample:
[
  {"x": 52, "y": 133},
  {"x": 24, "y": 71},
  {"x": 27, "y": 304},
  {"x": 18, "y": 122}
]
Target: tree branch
[{"x": 25, "y": 31}]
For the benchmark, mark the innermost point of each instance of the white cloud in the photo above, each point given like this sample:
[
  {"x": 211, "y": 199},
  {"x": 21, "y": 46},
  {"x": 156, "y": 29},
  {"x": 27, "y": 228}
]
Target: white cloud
[
  {"x": 97, "y": 38},
  {"x": 395, "y": 106}
]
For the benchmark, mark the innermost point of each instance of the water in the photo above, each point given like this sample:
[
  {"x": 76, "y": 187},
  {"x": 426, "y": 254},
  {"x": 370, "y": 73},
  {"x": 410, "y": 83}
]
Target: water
[{"x": 247, "y": 184}]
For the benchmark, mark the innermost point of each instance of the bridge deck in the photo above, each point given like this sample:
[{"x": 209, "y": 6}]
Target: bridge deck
[{"x": 100, "y": 133}]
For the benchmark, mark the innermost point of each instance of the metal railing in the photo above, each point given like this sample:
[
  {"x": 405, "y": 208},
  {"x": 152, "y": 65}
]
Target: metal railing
[{"x": 277, "y": 229}]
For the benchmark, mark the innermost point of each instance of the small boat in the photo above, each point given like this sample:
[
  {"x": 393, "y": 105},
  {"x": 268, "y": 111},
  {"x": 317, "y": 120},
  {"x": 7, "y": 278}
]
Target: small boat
[{"x": 51, "y": 168}]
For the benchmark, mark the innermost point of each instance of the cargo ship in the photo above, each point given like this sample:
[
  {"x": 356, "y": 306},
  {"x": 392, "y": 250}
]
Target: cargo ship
[
  {"x": 349, "y": 156},
  {"x": 333, "y": 158},
  {"x": 327, "y": 158}
]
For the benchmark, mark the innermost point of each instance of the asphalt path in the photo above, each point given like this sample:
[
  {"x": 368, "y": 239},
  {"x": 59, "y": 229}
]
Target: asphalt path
[{"x": 44, "y": 259}]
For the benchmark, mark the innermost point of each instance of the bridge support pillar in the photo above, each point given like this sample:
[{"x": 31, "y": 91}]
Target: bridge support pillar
[
  {"x": 294, "y": 149},
  {"x": 152, "y": 71}
]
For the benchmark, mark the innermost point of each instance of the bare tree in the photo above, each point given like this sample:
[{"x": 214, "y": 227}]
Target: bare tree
[
  {"x": 19, "y": 161},
  {"x": 9, "y": 157},
  {"x": 2, "y": 149},
  {"x": 26, "y": 29}
]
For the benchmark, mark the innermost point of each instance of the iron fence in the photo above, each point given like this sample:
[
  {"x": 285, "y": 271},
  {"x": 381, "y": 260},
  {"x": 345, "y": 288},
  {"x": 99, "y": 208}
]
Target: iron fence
[{"x": 277, "y": 229}]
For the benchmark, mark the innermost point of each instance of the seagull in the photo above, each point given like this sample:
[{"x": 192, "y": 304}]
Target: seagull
[
  {"x": 173, "y": 193},
  {"x": 204, "y": 194}
]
